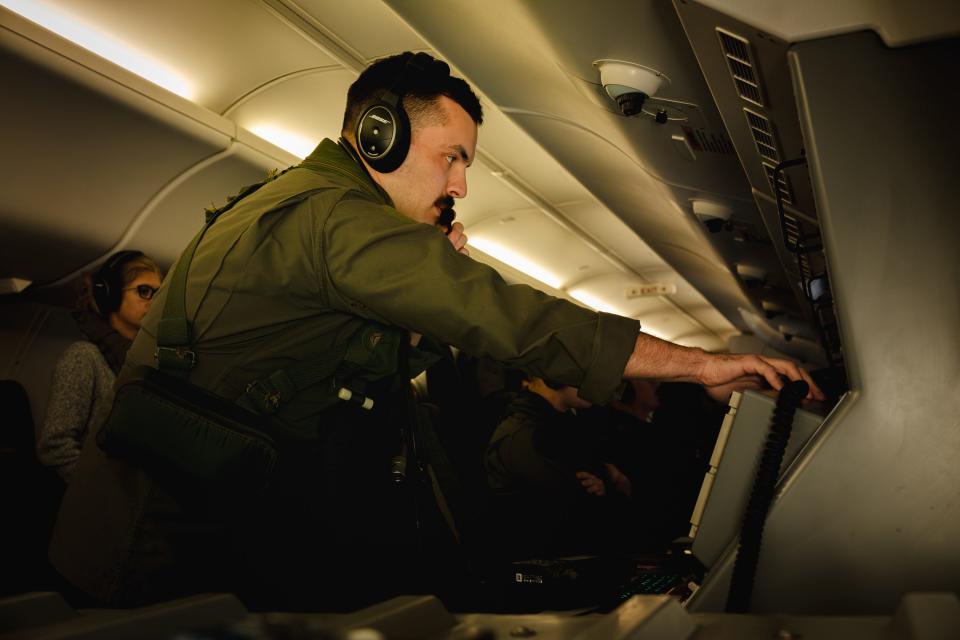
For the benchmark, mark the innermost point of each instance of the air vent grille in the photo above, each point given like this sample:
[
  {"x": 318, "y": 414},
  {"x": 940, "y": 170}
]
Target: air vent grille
[
  {"x": 803, "y": 262},
  {"x": 763, "y": 138},
  {"x": 714, "y": 143},
  {"x": 734, "y": 46},
  {"x": 740, "y": 61},
  {"x": 768, "y": 153},
  {"x": 794, "y": 235},
  {"x": 703, "y": 140},
  {"x": 782, "y": 185},
  {"x": 792, "y": 230},
  {"x": 749, "y": 91},
  {"x": 762, "y": 131},
  {"x": 741, "y": 70},
  {"x": 757, "y": 121}
]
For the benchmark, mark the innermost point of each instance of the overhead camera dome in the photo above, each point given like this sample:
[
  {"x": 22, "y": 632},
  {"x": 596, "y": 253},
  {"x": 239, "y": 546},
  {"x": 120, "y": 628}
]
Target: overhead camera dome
[
  {"x": 714, "y": 215},
  {"x": 631, "y": 103},
  {"x": 628, "y": 84}
]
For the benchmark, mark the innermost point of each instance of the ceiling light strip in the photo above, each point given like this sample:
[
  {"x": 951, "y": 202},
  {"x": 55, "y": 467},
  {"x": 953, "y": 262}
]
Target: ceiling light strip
[
  {"x": 286, "y": 140},
  {"x": 518, "y": 262},
  {"x": 102, "y": 44}
]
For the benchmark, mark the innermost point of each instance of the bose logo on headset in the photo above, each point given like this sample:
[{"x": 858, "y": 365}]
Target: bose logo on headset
[{"x": 383, "y": 131}]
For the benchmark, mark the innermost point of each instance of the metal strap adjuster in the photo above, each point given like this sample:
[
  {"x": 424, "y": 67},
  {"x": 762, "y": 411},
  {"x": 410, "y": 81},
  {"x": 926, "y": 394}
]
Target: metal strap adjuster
[
  {"x": 264, "y": 397},
  {"x": 177, "y": 357}
]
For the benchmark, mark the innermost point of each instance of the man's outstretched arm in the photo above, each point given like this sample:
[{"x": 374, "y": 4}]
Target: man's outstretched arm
[{"x": 656, "y": 359}]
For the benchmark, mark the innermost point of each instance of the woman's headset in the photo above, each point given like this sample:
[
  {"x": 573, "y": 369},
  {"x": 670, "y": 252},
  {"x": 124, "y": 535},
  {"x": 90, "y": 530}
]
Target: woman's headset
[
  {"x": 107, "y": 285},
  {"x": 383, "y": 130}
]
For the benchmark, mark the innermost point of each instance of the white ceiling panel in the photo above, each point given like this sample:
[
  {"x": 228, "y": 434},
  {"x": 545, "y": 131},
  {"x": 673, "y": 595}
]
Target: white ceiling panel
[
  {"x": 630, "y": 189},
  {"x": 669, "y": 325},
  {"x": 515, "y": 151},
  {"x": 487, "y": 197},
  {"x": 364, "y": 26},
  {"x": 531, "y": 234},
  {"x": 308, "y": 105},
  {"x": 614, "y": 234}
]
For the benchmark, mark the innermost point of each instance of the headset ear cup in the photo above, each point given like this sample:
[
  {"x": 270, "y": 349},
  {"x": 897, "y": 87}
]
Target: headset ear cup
[
  {"x": 383, "y": 136},
  {"x": 107, "y": 282},
  {"x": 100, "y": 290}
]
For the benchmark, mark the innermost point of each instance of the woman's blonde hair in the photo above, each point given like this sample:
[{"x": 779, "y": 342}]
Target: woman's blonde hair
[{"x": 132, "y": 269}]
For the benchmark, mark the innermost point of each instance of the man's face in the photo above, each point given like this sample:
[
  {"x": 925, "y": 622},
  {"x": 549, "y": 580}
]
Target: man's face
[{"x": 435, "y": 169}]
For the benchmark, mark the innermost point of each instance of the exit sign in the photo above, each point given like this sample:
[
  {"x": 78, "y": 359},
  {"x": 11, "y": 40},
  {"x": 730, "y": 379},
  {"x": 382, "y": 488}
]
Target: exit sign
[{"x": 653, "y": 289}]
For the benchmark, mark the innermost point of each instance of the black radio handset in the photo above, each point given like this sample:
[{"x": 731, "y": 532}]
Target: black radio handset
[{"x": 445, "y": 221}]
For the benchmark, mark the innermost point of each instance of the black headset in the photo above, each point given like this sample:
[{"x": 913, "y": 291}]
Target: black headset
[
  {"x": 107, "y": 286},
  {"x": 383, "y": 130}
]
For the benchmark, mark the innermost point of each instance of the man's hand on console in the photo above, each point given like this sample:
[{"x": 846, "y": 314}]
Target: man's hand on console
[{"x": 726, "y": 369}]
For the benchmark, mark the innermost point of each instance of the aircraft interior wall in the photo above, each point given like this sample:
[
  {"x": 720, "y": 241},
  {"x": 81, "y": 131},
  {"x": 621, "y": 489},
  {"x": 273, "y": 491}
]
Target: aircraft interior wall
[
  {"x": 32, "y": 338},
  {"x": 873, "y": 511}
]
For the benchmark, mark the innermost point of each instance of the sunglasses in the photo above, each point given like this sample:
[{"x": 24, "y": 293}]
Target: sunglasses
[{"x": 145, "y": 291}]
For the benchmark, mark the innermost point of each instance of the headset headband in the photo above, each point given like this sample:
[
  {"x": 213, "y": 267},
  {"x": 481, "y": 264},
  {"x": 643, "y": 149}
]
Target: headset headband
[{"x": 398, "y": 89}]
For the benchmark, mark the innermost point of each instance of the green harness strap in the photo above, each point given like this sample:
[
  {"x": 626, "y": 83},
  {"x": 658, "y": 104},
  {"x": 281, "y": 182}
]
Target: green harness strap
[{"x": 173, "y": 353}]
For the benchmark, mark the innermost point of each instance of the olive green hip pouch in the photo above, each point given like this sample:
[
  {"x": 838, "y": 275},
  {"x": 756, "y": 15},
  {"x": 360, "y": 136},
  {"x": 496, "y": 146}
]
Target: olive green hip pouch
[
  {"x": 197, "y": 445},
  {"x": 214, "y": 453}
]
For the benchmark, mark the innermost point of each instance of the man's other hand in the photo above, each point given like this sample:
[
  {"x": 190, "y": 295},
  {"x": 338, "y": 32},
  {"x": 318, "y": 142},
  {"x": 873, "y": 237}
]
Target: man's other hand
[
  {"x": 619, "y": 479},
  {"x": 591, "y": 484},
  {"x": 458, "y": 238}
]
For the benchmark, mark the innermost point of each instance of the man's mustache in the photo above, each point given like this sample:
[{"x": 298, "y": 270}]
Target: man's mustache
[{"x": 447, "y": 214}]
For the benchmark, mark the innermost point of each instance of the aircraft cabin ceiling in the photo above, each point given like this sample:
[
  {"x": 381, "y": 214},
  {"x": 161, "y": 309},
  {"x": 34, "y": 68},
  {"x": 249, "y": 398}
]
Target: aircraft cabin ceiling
[{"x": 126, "y": 119}]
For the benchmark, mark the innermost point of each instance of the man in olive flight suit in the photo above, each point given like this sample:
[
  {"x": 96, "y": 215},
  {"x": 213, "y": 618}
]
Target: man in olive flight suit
[{"x": 294, "y": 270}]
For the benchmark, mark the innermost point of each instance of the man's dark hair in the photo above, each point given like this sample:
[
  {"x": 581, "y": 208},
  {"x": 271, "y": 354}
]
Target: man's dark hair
[{"x": 420, "y": 95}]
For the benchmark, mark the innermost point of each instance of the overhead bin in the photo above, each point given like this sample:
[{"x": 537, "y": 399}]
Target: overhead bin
[{"x": 78, "y": 181}]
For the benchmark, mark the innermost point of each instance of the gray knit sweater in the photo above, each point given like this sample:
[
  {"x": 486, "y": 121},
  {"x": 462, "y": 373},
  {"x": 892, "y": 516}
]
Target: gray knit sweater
[{"x": 80, "y": 397}]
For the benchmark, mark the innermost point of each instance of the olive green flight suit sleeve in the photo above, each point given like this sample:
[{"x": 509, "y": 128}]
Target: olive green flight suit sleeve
[{"x": 378, "y": 264}]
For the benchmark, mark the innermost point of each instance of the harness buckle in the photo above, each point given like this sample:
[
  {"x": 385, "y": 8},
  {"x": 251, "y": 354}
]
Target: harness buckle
[{"x": 176, "y": 357}]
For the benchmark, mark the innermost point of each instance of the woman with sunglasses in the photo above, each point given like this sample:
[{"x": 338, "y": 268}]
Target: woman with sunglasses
[{"x": 112, "y": 304}]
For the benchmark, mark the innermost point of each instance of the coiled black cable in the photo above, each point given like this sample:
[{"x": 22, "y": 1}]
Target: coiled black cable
[{"x": 764, "y": 484}]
